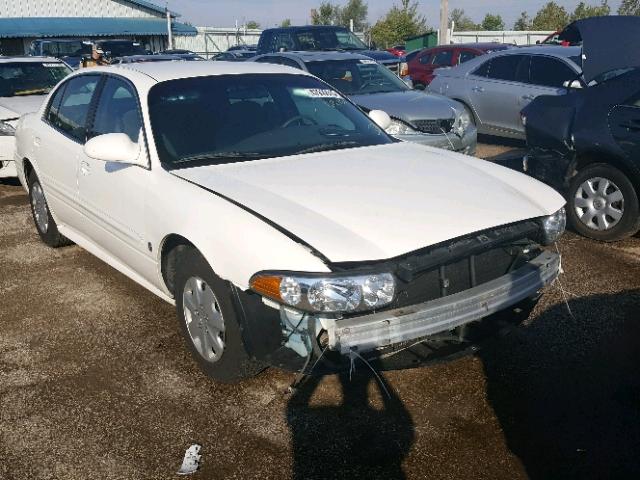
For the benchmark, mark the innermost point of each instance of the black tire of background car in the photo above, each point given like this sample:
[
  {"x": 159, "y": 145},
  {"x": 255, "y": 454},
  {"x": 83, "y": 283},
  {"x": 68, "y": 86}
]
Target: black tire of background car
[
  {"x": 52, "y": 237},
  {"x": 235, "y": 363},
  {"x": 419, "y": 86},
  {"x": 630, "y": 222}
]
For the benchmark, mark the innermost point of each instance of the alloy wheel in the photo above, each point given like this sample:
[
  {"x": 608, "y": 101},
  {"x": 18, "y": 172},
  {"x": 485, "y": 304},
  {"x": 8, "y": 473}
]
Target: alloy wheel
[
  {"x": 39, "y": 204},
  {"x": 204, "y": 319}
]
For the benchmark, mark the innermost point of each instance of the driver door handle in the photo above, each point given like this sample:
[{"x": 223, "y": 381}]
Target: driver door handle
[{"x": 631, "y": 125}]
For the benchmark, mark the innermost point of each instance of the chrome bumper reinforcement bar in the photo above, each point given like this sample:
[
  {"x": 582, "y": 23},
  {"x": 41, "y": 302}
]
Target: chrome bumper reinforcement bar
[{"x": 409, "y": 323}]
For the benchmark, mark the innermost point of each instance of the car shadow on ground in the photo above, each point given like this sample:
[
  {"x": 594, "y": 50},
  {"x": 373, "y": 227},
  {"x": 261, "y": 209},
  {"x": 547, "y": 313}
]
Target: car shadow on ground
[
  {"x": 363, "y": 437},
  {"x": 566, "y": 389}
]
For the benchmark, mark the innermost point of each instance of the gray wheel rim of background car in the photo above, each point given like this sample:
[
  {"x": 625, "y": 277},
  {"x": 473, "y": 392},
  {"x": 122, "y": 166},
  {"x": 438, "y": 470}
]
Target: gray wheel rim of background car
[
  {"x": 203, "y": 319},
  {"x": 599, "y": 203},
  {"x": 39, "y": 204}
]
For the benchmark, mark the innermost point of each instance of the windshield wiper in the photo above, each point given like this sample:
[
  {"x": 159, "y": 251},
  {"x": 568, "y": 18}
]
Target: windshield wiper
[
  {"x": 325, "y": 147},
  {"x": 203, "y": 157},
  {"x": 35, "y": 91}
]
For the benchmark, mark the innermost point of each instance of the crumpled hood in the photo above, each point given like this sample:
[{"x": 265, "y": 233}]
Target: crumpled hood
[
  {"x": 379, "y": 202},
  {"x": 14, "y": 107},
  {"x": 608, "y": 43},
  {"x": 409, "y": 105}
]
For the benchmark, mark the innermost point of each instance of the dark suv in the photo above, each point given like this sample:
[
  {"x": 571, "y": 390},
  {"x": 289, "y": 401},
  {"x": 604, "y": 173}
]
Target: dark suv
[{"x": 322, "y": 38}]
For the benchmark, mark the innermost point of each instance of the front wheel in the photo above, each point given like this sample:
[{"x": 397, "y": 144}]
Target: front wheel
[
  {"x": 209, "y": 322},
  {"x": 603, "y": 204},
  {"x": 45, "y": 224}
]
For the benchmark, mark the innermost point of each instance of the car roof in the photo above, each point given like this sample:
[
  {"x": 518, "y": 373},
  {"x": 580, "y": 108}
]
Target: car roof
[
  {"x": 552, "y": 50},
  {"x": 164, "y": 71},
  {"x": 315, "y": 56},
  {"x": 306, "y": 27},
  {"x": 29, "y": 59}
]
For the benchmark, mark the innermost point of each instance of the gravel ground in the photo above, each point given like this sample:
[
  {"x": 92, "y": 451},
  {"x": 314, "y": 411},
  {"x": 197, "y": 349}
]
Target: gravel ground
[{"x": 95, "y": 383}]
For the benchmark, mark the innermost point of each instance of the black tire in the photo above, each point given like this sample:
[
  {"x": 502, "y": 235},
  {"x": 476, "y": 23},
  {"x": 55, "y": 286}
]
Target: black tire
[
  {"x": 627, "y": 225},
  {"x": 234, "y": 363},
  {"x": 49, "y": 233},
  {"x": 419, "y": 86}
]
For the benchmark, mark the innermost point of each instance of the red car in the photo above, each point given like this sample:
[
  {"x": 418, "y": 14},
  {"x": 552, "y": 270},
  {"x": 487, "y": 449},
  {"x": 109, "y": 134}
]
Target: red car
[
  {"x": 423, "y": 65},
  {"x": 398, "y": 50}
]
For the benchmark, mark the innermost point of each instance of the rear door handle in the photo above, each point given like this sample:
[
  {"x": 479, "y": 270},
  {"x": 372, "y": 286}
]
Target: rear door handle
[
  {"x": 85, "y": 168},
  {"x": 478, "y": 89}
]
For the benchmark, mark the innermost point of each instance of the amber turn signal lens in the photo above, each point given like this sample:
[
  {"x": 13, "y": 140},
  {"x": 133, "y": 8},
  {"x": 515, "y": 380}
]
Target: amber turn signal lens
[{"x": 267, "y": 286}]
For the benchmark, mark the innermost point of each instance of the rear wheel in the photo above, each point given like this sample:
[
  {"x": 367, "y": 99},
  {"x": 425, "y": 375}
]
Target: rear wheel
[
  {"x": 603, "y": 203},
  {"x": 209, "y": 322},
  {"x": 45, "y": 224}
]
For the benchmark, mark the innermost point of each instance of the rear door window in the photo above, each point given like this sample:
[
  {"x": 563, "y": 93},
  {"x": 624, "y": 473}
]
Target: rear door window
[
  {"x": 74, "y": 108},
  {"x": 512, "y": 68},
  {"x": 443, "y": 58},
  {"x": 465, "y": 56},
  {"x": 425, "y": 59},
  {"x": 550, "y": 72}
]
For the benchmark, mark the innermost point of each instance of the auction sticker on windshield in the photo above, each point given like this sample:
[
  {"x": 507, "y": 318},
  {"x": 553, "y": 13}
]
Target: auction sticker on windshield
[
  {"x": 316, "y": 93},
  {"x": 368, "y": 62},
  {"x": 51, "y": 65}
]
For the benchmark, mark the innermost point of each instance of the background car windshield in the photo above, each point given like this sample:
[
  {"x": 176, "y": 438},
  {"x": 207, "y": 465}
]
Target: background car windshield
[
  {"x": 230, "y": 118},
  {"x": 328, "y": 39},
  {"x": 357, "y": 77},
  {"x": 30, "y": 78}
]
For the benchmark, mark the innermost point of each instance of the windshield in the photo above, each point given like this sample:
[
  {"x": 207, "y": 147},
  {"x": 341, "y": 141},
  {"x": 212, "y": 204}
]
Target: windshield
[
  {"x": 328, "y": 39},
  {"x": 30, "y": 78},
  {"x": 66, "y": 49},
  {"x": 357, "y": 77},
  {"x": 121, "y": 49},
  {"x": 231, "y": 118}
]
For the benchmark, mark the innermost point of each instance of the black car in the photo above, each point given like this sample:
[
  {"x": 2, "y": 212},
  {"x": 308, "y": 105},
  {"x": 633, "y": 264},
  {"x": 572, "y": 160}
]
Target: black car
[
  {"x": 586, "y": 144},
  {"x": 313, "y": 38}
]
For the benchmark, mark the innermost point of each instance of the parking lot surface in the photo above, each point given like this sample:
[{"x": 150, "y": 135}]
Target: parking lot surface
[{"x": 95, "y": 382}]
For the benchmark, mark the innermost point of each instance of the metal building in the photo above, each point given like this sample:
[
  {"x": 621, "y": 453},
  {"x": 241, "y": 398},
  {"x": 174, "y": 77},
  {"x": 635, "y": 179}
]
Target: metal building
[{"x": 22, "y": 21}]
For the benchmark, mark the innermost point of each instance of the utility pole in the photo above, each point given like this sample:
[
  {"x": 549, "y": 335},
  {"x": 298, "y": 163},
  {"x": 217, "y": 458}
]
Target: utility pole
[{"x": 444, "y": 22}]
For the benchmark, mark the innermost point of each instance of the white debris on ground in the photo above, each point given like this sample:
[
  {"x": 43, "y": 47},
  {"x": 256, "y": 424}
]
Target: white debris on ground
[{"x": 191, "y": 461}]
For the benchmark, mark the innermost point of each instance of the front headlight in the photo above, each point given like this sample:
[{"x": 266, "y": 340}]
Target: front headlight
[
  {"x": 398, "y": 127},
  {"x": 7, "y": 130},
  {"x": 462, "y": 123},
  {"x": 553, "y": 226},
  {"x": 326, "y": 293}
]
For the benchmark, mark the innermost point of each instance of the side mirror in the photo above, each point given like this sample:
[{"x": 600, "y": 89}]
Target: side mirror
[
  {"x": 573, "y": 84},
  {"x": 114, "y": 147},
  {"x": 382, "y": 119}
]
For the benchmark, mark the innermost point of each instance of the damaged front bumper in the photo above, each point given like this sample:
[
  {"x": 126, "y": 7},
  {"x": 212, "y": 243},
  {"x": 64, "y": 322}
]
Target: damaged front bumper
[
  {"x": 289, "y": 339},
  {"x": 382, "y": 329}
]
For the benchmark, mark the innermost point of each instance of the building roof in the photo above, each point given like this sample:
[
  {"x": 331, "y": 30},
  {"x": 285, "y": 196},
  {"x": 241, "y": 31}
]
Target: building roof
[
  {"x": 149, "y": 5},
  {"x": 38, "y": 27}
]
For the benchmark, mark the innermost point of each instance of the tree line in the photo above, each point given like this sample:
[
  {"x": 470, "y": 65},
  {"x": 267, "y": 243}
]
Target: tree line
[{"x": 404, "y": 19}]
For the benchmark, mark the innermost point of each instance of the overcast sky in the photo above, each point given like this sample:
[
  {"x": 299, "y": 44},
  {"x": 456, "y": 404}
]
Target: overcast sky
[{"x": 223, "y": 13}]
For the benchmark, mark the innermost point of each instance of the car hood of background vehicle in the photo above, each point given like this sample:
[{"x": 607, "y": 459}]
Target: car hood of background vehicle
[
  {"x": 408, "y": 105},
  {"x": 379, "y": 55},
  {"x": 12, "y": 107},
  {"x": 379, "y": 202}
]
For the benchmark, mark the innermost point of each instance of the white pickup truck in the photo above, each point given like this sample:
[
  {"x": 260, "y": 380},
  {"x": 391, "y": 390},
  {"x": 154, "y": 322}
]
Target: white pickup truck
[{"x": 287, "y": 227}]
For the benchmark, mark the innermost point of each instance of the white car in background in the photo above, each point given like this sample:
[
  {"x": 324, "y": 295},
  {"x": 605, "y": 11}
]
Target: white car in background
[
  {"x": 287, "y": 227},
  {"x": 24, "y": 84}
]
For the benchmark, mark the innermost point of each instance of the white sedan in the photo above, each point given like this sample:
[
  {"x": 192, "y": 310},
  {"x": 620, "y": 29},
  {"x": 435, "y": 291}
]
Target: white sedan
[
  {"x": 288, "y": 228},
  {"x": 24, "y": 85}
]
